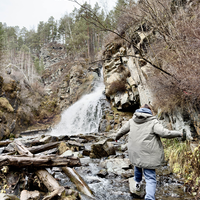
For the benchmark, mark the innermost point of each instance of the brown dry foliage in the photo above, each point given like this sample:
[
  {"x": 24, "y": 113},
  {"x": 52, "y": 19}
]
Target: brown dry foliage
[
  {"x": 174, "y": 47},
  {"x": 117, "y": 86}
]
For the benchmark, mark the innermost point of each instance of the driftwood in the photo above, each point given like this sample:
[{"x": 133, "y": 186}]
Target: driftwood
[
  {"x": 35, "y": 149},
  {"x": 45, "y": 147},
  {"x": 51, "y": 184},
  {"x": 78, "y": 181},
  {"x": 21, "y": 149},
  {"x": 4, "y": 143},
  {"x": 40, "y": 161}
]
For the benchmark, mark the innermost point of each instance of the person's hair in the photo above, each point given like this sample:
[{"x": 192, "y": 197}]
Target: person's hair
[{"x": 146, "y": 106}]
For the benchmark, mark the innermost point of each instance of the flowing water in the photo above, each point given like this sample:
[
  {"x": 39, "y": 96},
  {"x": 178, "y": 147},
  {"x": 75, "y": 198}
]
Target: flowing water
[{"x": 83, "y": 116}]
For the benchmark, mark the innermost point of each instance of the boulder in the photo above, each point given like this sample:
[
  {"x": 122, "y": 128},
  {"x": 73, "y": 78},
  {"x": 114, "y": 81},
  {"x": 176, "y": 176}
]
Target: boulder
[
  {"x": 117, "y": 165},
  {"x": 133, "y": 191},
  {"x": 101, "y": 149}
]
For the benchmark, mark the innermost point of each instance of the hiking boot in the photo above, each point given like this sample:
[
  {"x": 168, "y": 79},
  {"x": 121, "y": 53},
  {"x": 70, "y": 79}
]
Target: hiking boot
[{"x": 137, "y": 187}]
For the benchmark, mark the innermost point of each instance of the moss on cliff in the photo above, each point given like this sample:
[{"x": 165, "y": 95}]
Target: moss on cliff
[{"x": 5, "y": 105}]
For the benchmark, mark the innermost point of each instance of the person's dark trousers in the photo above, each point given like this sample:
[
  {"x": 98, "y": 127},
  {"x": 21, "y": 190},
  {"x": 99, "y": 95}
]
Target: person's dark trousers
[{"x": 150, "y": 178}]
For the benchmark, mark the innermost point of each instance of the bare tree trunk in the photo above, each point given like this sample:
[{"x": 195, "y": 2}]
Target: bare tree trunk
[{"x": 78, "y": 181}]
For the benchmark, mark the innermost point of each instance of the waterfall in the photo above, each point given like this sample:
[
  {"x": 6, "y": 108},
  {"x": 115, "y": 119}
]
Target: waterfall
[{"x": 83, "y": 116}]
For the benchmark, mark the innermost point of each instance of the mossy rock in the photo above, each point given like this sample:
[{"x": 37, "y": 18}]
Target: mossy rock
[
  {"x": 63, "y": 147},
  {"x": 5, "y": 105},
  {"x": 9, "y": 87}
]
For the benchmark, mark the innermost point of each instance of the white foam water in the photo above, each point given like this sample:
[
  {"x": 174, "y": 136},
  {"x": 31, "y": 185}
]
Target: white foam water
[{"x": 83, "y": 116}]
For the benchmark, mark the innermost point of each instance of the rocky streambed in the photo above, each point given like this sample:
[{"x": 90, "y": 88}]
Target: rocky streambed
[{"x": 97, "y": 168}]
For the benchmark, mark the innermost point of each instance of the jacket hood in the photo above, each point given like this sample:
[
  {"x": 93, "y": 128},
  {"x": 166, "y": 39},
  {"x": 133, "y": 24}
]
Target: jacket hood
[
  {"x": 144, "y": 110},
  {"x": 140, "y": 117}
]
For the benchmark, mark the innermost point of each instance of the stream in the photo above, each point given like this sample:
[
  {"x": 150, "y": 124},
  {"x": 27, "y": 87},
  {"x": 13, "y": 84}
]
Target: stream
[
  {"x": 112, "y": 186},
  {"x": 84, "y": 117}
]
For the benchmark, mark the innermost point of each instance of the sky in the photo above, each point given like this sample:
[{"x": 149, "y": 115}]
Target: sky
[{"x": 28, "y": 13}]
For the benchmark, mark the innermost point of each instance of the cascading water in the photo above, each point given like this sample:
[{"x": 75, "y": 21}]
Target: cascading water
[{"x": 83, "y": 116}]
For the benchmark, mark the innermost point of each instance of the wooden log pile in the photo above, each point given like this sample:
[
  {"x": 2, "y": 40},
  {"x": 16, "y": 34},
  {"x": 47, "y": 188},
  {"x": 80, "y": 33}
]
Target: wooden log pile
[{"x": 28, "y": 165}]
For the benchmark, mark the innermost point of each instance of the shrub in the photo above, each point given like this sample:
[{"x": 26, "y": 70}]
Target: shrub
[{"x": 117, "y": 86}]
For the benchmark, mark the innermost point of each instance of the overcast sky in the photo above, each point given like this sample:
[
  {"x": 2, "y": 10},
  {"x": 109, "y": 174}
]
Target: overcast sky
[{"x": 28, "y": 13}]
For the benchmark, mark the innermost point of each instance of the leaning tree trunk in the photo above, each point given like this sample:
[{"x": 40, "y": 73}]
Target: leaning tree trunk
[{"x": 78, "y": 181}]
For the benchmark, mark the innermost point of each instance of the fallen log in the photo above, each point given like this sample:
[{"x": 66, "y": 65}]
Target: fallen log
[
  {"x": 40, "y": 161},
  {"x": 51, "y": 184},
  {"x": 78, "y": 181},
  {"x": 4, "y": 143},
  {"x": 44, "y": 147},
  {"x": 21, "y": 149}
]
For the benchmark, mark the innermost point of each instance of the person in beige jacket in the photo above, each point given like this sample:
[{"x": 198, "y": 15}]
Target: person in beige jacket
[{"x": 145, "y": 148}]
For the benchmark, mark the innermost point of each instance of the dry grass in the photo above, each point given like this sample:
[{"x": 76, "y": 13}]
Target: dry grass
[{"x": 117, "y": 86}]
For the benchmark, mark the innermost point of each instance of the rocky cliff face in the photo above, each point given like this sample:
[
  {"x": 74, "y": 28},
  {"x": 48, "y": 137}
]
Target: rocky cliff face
[{"x": 126, "y": 80}]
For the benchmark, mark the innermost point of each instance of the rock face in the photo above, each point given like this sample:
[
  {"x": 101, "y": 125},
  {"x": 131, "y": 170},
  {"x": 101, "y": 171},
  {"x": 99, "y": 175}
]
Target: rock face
[
  {"x": 121, "y": 89},
  {"x": 64, "y": 79},
  {"x": 126, "y": 77},
  {"x": 52, "y": 53}
]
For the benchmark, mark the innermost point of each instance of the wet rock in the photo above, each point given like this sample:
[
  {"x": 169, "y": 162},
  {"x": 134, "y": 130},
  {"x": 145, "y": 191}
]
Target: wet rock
[
  {"x": 85, "y": 161},
  {"x": 102, "y": 173},
  {"x": 89, "y": 138},
  {"x": 133, "y": 191},
  {"x": 127, "y": 173},
  {"x": 163, "y": 171},
  {"x": 67, "y": 153},
  {"x": 101, "y": 149},
  {"x": 86, "y": 152},
  {"x": 116, "y": 165},
  {"x": 63, "y": 137},
  {"x": 78, "y": 146},
  {"x": 63, "y": 148},
  {"x": 124, "y": 147}
]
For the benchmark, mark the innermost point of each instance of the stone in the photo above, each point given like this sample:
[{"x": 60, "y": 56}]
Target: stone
[
  {"x": 116, "y": 165},
  {"x": 133, "y": 191},
  {"x": 101, "y": 149},
  {"x": 124, "y": 99},
  {"x": 34, "y": 195},
  {"x": 86, "y": 152},
  {"x": 63, "y": 147},
  {"x": 102, "y": 173},
  {"x": 124, "y": 147},
  {"x": 76, "y": 144},
  {"x": 130, "y": 81}
]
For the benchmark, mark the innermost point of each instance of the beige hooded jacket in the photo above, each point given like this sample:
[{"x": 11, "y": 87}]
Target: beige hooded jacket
[{"x": 145, "y": 148}]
